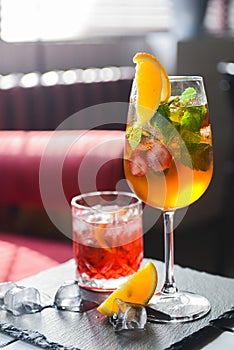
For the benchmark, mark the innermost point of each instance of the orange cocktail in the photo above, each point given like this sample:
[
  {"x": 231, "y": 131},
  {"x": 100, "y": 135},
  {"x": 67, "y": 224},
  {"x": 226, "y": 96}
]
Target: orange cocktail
[
  {"x": 168, "y": 162},
  {"x": 161, "y": 173}
]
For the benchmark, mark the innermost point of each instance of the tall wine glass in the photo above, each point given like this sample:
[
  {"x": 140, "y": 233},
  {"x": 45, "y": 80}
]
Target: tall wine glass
[{"x": 168, "y": 164}]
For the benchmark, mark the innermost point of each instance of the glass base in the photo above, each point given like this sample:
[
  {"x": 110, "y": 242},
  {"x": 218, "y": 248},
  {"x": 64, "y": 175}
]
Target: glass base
[
  {"x": 177, "y": 307},
  {"x": 100, "y": 285}
]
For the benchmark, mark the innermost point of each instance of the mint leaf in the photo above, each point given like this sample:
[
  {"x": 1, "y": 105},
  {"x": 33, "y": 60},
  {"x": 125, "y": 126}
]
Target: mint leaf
[
  {"x": 162, "y": 112},
  {"x": 133, "y": 134},
  {"x": 188, "y": 95},
  {"x": 190, "y": 136},
  {"x": 193, "y": 118},
  {"x": 201, "y": 156},
  {"x": 161, "y": 117},
  {"x": 161, "y": 120}
]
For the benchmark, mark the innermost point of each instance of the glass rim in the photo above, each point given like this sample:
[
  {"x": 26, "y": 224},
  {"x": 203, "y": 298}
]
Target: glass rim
[
  {"x": 185, "y": 77},
  {"x": 179, "y": 78},
  {"x": 98, "y": 193}
]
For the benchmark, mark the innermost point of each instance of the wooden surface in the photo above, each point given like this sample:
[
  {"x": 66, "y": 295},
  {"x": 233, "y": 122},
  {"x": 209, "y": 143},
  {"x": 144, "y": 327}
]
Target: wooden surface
[{"x": 91, "y": 330}]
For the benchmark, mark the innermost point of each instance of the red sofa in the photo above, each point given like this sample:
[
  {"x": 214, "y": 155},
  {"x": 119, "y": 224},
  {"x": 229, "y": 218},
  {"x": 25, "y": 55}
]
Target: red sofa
[
  {"x": 31, "y": 180},
  {"x": 40, "y": 172}
]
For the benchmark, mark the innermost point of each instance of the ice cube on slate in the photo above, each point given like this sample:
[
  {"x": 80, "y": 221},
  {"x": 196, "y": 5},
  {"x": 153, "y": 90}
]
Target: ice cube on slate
[
  {"x": 130, "y": 316},
  {"x": 22, "y": 300},
  {"x": 68, "y": 296},
  {"x": 4, "y": 287}
]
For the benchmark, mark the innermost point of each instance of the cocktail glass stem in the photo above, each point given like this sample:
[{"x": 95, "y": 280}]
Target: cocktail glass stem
[
  {"x": 178, "y": 306},
  {"x": 169, "y": 286}
]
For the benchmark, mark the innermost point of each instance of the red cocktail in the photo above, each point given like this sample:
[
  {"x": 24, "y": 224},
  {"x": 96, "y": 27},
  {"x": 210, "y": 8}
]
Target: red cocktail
[{"x": 107, "y": 238}]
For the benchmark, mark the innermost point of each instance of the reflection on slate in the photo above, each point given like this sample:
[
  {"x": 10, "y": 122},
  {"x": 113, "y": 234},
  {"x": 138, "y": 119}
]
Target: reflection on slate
[
  {"x": 225, "y": 321},
  {"x": 198, "y": 339},
  {"x": 32, "y": 337},
  {"x": 153, "y": 314},
  {"x": 206, "y": 335}
]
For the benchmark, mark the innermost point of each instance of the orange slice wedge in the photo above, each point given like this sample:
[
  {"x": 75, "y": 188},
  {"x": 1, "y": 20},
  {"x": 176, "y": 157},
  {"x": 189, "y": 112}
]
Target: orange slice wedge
[
  {"x": 153, "y": 86},
  {"x": 138, "y": 289}
]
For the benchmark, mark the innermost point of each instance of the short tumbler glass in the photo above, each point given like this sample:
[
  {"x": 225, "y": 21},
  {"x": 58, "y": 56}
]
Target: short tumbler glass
[{"x": 107, "y": 238}]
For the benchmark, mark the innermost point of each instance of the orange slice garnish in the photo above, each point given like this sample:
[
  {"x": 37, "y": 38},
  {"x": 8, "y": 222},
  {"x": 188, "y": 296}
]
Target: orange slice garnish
[
  {"x": 138, "y": 289},
  {"x": 153, "y": 86},
  {"x": 99, "y": 234}
]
